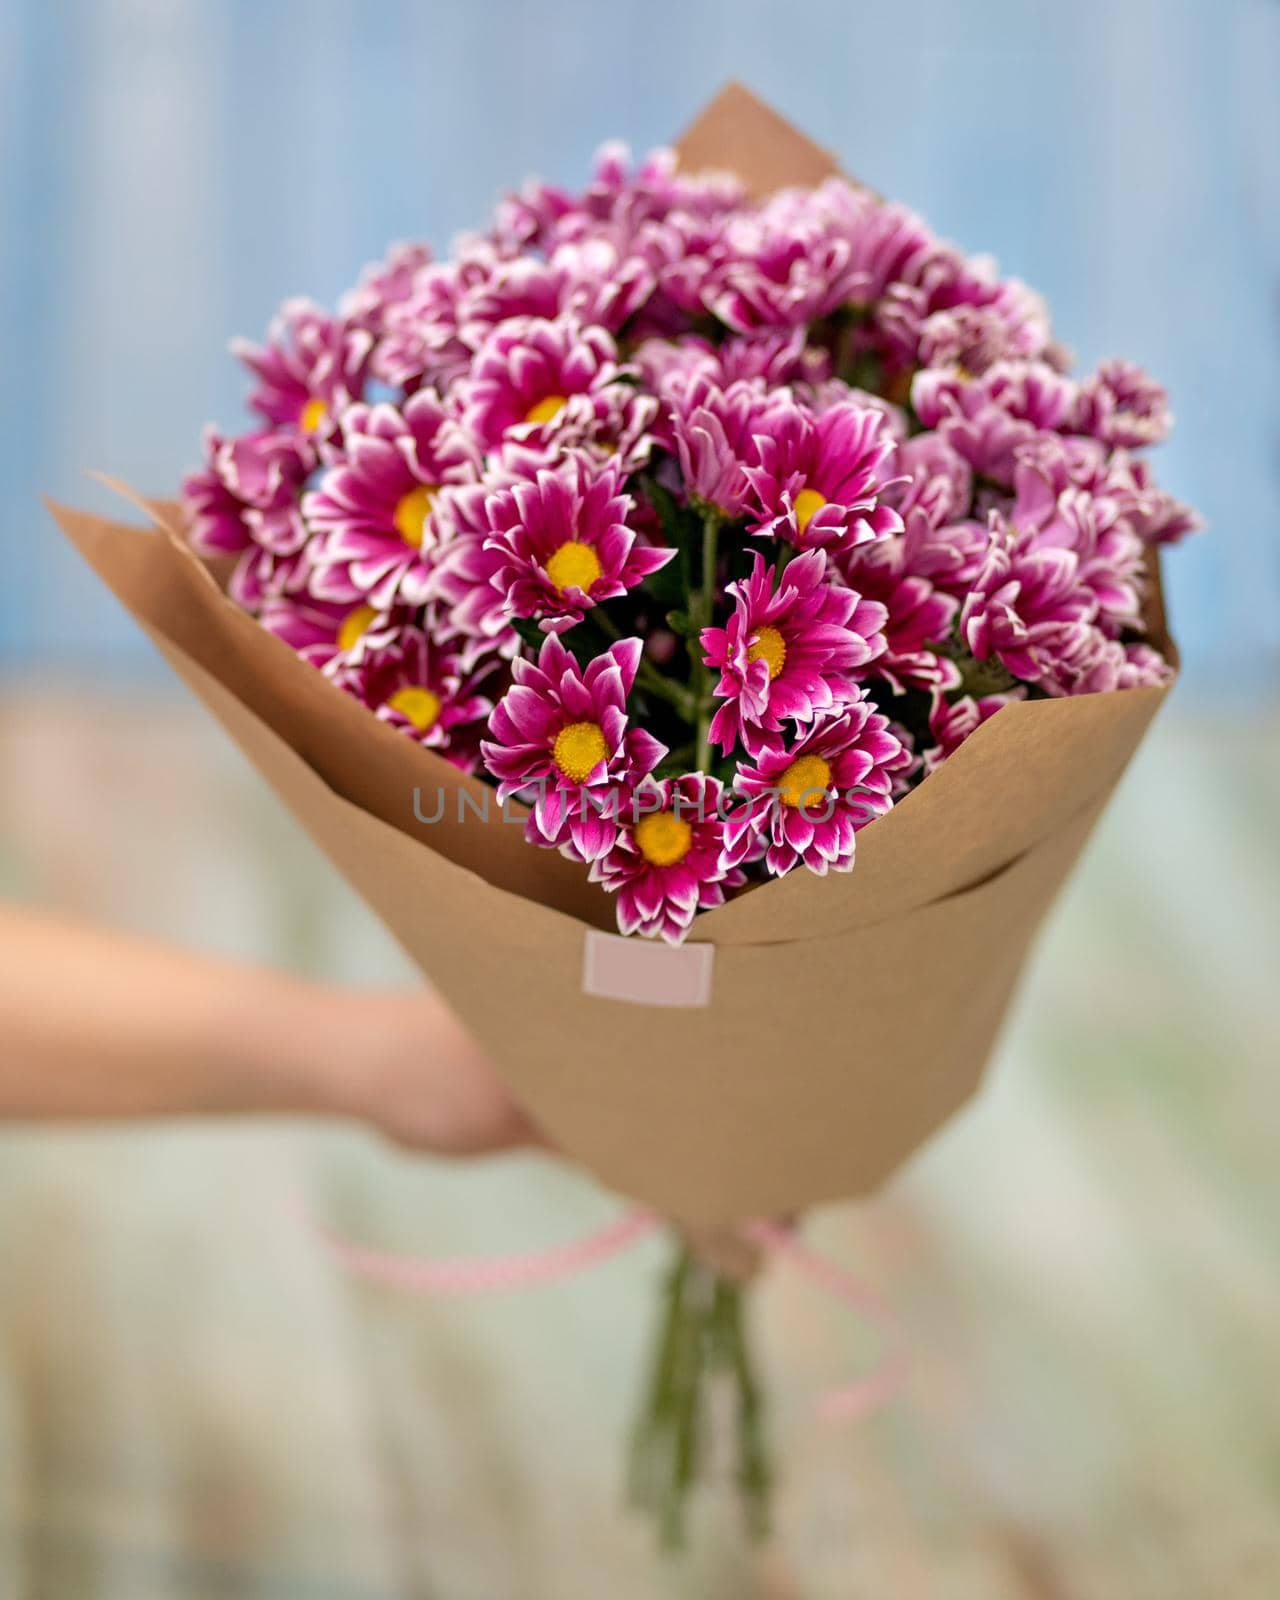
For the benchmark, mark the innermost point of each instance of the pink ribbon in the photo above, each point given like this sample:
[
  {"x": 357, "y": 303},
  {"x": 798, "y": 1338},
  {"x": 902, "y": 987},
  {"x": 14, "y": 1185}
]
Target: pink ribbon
[{"x": 532, "y": 1268}]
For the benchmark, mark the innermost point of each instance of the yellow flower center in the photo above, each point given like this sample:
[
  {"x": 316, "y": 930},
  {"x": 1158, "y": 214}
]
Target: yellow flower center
[
  {"x": 420, "y": 706},
  {"x": 663, "y": 838},
  {"x": 574, "y": 566},
  {"x": 354, "y": 626},
  {"x": 545, "y": 410},
  {"x": 411, "y": 513},
  {"x": 770, "y": 646},
  {"x": 312, "y": 416},
  {"x": 805, "y": 782},
  {"x": 579, "y": 749},
  {"x": 807, "y": 504}
]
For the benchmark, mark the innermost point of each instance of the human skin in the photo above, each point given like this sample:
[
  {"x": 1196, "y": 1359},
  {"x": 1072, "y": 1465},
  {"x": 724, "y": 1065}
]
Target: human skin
[{"x": 100, "y": 1026}]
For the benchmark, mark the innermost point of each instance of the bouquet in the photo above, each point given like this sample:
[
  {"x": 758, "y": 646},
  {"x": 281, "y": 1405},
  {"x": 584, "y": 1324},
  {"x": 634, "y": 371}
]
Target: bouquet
[{"x": 759, "y": 556}]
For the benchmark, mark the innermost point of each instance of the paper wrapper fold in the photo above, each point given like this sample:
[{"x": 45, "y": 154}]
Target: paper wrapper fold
[{"x": 833, "y": 1024}]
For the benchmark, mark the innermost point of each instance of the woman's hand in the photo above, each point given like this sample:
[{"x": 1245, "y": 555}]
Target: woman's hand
[
  {"x": 404, "y": 1064},
  {"x": 95, "y": 1025}
]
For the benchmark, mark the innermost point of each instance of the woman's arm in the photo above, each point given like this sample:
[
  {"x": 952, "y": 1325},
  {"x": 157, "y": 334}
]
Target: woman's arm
[{"x": 95, "y": 1025}]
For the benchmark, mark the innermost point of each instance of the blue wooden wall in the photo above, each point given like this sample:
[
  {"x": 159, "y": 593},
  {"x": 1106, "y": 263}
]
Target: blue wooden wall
[{"x": 170, "y": 170}]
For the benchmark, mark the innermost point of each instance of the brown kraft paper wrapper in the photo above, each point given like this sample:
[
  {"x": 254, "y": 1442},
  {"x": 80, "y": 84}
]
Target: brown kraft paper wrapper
[{"x": 832, "y": 1024}]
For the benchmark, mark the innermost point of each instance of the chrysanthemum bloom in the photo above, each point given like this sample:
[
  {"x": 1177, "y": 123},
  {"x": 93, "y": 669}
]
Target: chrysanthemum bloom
[
  {"x": 617, "y": 424},
  {"x": 562, "y": 731},
  {"x": 1123, "y": 407},
  {"x": 563, "y": 543},
  {"x": 321, "y": 631},
  {"x": 776, "y": 357},
  {"x": 943, "y": 279},
  {"x": 619, "y": 198},
  {"x": 418, "y": 686},
  {"x": 263, "y": 575},
  {"x": 419, "y": 343},
  {"x": 952, "y": 721},
  {"x": 788, "y": 653},
  {"x": 1092, "y": 526},
  {"x": 311, "y": 368},
  {"x": 1152, "y": 512},
  {"x": 931, "y": 477},
  {"x": 385, "y": 284},
  {"x": 831, "y": 393},
  {"x": 531, "y": 377},
  {"x": 819, "y": 479},
  {"x": 987, "y": 419},
  {"x": 371, "y": 514},
  {"x": 887, "y": 242},
  {"x": 262, "y": 471},
  {"x": 1100, "y": 665},
  {"x": 666, "y": 863},
  {"x": 806, "y": 801},
  {"x": 593, "y": 280},
  {"x": 714, "y": 434},
  {"x": 918, "y": 614},
  {"x": 1029, "y": 608},
  {"x": 783, "y": 264},
  {"x": 474, "y": 610},
  {"x": 967, "y": 340},
  {"x": 244, "y": 503}
]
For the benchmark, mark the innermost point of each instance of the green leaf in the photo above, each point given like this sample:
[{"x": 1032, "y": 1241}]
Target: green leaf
[
  {"x": 682, "y": 529},
  {"x": 530, "y": 633},
  {"x": 681, "y": 623}
]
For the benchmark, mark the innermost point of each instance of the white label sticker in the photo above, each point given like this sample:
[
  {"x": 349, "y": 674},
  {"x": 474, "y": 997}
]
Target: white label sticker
[{"x": 647, "y": 972}]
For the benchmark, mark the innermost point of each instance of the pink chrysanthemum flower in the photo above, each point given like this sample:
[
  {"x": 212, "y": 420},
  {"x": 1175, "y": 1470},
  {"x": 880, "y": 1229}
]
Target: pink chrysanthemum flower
[
  {"x": 1104, "y": 665},
  {"x": 261, "y": 576},
  {"x": 1152, "y": 512},
  {"x": 322, "y": 631},
  {"x": 533, "y": 380},
  {"x": 561, "y": 731},
  {"x": 777, "y": 358},
  {"x": 666, "y": 863},
  {"x": 311, "y": 368},
  {"x": 788, "y": 653},
  {"x": 1123, "y": 407},
  {"x": 619, "y": 199},
  {"x": 820, "y": 479},
  {"x": 805, "y": 802},
  {"x": 563, "y": 544},
  {"x": 372, "y": 513},
  {"x": 1029, "y": 608},
  {"x": 987, "y": 419},
  {"x": 887, "y": 242},
  {"x": 943, "y": 279},
  {"x": 385, "y": 284},
  {"x": 919, "y": 615},
  {"x": 419, "y": 343},
  {"x": 932, "y": 478},
  {"x": 474, "y": 610},
  {"x": 262, "y": 471},
  {"x": 1049, "y": 512},
  {"x": 784, "y": 264},
  {"x": 245, "y": 504},
  {"x": 714, "y": 433},
  {"x": 593, "y": 280},
  {"x": 418, "y": 686},
  {"x": 967, "y": 339}
]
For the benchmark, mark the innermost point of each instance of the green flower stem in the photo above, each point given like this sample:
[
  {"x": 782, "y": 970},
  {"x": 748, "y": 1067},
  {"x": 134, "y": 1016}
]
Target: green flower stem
[
  {"x": 647, "y": 675},
  {"x": 701, "y": 1340},
  {"x": 705, "y": 610},
  {"x": 651, "y": 680}
]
